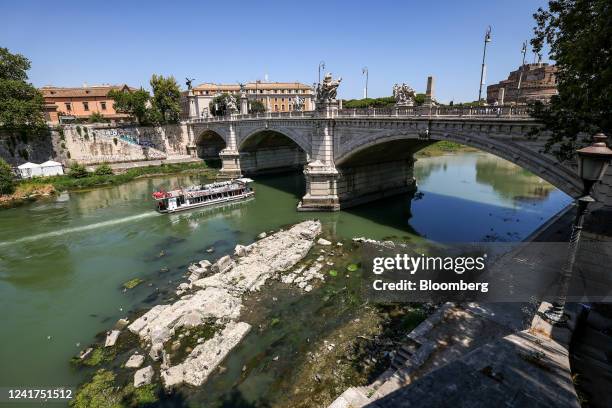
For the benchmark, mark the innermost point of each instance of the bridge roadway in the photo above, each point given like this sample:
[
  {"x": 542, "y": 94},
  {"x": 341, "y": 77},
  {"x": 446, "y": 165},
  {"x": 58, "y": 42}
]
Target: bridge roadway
[{"x": 351, "y": 156}]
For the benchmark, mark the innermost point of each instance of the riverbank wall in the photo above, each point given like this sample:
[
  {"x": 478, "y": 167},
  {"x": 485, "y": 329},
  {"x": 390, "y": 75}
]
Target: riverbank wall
[{"x": 96, "y": 143}]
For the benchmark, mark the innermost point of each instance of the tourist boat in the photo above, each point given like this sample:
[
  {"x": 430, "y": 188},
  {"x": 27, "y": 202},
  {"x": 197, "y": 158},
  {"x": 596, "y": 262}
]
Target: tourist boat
[{"x": 203, "y": 195}]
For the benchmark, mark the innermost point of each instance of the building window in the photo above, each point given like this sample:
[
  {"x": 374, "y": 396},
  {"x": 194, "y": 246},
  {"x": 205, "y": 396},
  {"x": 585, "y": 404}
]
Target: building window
[
  {"x": 261, "y": 91},
  {"x": 276, "y": 108},
  {"x": 103, "y": 105},
  {"x": 85, "y": 106},
  {"x": 68, "y": 106},
  {"x": 283, "y": 107},
  {"x": 282, "y": 99}
]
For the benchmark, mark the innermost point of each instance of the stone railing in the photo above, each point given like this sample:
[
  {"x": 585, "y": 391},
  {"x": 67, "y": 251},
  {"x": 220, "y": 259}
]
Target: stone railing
[{"x": 408, "y": 111}]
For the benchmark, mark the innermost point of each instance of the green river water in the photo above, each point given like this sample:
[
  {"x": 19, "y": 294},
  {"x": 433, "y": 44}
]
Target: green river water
[{"x": 63, "y": 260}]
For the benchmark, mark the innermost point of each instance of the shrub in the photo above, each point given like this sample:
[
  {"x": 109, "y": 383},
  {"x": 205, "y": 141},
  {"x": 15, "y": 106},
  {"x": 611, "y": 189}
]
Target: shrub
[
  {"x": 78, "y": 128},
  {"x": 7, "y": 180},
  {"x": 97, "y": 117},
  {"x": 103, "y": 170},
  {"x": 77, "y": 171},
  {"x": 115, "y": 141}
]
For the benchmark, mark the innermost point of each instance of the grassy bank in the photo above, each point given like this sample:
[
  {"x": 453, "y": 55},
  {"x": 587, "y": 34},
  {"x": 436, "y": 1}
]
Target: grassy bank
[
  {"x": 30, "y": 189},
  {"x": 444, "y": 147}
]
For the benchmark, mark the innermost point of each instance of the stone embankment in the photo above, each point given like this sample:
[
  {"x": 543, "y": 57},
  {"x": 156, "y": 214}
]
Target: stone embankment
[{"x": 214, "y": 294}]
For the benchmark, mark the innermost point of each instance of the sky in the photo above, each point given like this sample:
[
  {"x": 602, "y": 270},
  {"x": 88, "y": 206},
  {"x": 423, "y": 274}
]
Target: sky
[{"x": 88, "y": 42}]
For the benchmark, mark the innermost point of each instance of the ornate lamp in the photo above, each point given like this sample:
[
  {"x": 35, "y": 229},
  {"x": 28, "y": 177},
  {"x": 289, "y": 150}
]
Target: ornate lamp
[{"x": 593, "y": 162}]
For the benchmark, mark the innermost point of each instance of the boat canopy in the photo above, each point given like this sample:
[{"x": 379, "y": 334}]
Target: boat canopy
[{"x": 245, "y": 180}]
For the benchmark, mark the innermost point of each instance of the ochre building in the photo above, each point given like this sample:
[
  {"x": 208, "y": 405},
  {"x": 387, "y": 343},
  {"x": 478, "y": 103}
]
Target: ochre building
[
  {"x": 275, "y": 96},
  {"x": 79, "y": 103}
]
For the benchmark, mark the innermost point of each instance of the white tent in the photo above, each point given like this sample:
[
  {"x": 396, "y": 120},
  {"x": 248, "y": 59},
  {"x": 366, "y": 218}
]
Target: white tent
[
  {"x": 28, "y": 170},
  {"x": 52, "y": 168}
]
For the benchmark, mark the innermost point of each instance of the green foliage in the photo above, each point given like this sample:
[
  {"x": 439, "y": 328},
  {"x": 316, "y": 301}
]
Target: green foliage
[
  {"x": 97, "y": 117},
  {"x": 218, "y": 105},
  {"x": 257, "y": 107},
  {"x": 7, "y": 180},
  {"x": 103, "y": 170},
  {"x": 67, "y": 182},
  {"x": 143, "y": 395},
  {"x": 384, "y": 102},
  {"x": 21, "y": 104},
  {"x": 134, "y": 103},
  {"x": 166, "y": 106},
  {"x": 333, "y": 272},
  {"x": 77, "y": 171},
  {"x": 579, "y": 35},
  {"x": 98, "y": 393},
  {"x": 79, "y": 130}
]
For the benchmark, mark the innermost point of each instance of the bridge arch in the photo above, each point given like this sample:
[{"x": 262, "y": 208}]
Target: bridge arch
[
  {"x": 295, "y": 136},
  {"x": 265, "y": 150},
  {"x": 209, "y": 144},
  {"x": 538, "y": 163}
]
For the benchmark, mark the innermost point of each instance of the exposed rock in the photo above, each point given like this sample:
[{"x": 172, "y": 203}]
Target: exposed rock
[
  {"x": 122, "y": 323},
  {"x": 323, "y": 241},
  {"x": 262, "y": 235},
  {"x": 160, "y": 323},
  {"x": 277, "y": 252},
  {"x": 219, "y": 297},
  {"x": 111, "y": 338},
  {"x": 240, "y": 250},
  {"x": 205, "y": 357},
  {"x": 143, "y": 376},
  {"x": 223, "y": 264},
  {"x": 135, "y": 361}
]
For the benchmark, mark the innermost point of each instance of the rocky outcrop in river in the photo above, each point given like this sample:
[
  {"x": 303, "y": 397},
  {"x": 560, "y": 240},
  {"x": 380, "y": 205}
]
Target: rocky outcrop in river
[{"x": 218, "y": 297}]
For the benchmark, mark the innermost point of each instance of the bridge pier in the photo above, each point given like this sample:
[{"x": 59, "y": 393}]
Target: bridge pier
[
  {"x": 230, "y": 164},
  {"x": 321, "y": 188}
]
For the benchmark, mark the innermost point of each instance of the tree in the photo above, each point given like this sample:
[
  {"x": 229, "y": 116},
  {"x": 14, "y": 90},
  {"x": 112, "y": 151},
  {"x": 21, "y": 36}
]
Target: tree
[
  {"x": 166, "y": 102},
  {"x": 257, "y": 107},
  {"x": 134, "y": 103},
  {"x": 218, "y": 104},
  {"x": 579, "y": 34},
  {"x": 7, "y": 180},
  {"x": 21, "y": 105}
]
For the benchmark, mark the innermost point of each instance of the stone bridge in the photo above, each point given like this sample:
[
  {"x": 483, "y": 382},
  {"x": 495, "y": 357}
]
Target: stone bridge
[{"x": 353, "y": 156}]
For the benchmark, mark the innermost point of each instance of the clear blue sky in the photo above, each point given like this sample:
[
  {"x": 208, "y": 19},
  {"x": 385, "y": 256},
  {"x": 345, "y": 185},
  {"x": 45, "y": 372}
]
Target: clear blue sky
[{"x": 71, "y": 43}]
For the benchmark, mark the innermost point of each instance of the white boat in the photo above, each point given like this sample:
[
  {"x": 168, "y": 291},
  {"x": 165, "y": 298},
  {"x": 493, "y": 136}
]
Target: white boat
[{"x": 203, "y": 195}]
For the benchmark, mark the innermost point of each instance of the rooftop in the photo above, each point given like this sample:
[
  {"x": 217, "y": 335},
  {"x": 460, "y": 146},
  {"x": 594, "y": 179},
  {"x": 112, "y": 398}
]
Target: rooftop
[{"x": 84, "y": 91}]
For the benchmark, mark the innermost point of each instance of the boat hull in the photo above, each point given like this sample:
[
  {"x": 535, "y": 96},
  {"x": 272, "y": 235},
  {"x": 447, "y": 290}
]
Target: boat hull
[{"x": 208, "y": 203}]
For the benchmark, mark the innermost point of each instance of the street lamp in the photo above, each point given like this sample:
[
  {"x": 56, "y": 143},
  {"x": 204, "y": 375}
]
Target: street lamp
[
  {"x": 593, "y": 162},
  {"x": 518, "y": 91},
  {"x": 365, "y": 72},
  {"x": 321, "y": 66},
  {"x": 487, "y": 39}
]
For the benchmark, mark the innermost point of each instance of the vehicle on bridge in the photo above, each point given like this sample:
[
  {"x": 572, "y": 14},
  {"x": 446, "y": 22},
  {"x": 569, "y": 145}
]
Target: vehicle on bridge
[{"x": 203, "y": 195}]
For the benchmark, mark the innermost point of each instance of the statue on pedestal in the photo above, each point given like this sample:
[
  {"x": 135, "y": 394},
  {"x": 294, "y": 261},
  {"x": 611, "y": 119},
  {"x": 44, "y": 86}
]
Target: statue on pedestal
[
  {"x": 230, "y": 104},
  {"x": 328, "y": 89},
  {"x": 403, "y": 94},
  {"x": 188, "y": 82},
  {"x": 298, "y": 105}
]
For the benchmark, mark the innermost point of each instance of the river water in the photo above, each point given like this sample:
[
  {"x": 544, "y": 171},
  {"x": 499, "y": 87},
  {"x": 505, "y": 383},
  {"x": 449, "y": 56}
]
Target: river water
[{"x": 63, "y": 260}]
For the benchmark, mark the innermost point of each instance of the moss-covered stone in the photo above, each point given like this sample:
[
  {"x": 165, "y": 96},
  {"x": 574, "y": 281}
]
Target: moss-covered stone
[
  {"x": 96, "y": 357},
  {"x": 100, "y": 392},
  {"x": 132, "y": 283}
]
